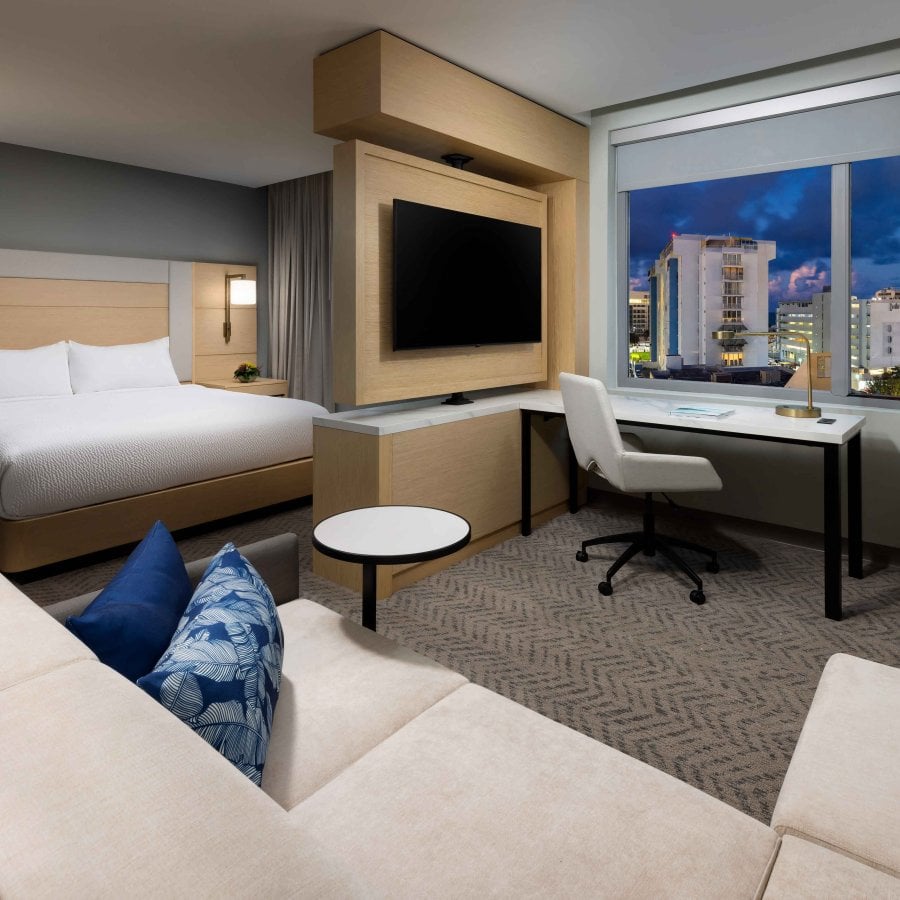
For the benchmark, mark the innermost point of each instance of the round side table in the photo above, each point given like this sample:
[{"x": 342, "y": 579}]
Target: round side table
[{"x": 389, "y": 535}]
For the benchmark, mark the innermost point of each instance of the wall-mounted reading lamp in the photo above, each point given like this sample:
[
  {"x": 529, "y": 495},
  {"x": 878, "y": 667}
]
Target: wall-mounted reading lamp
[
  {"x": 785, "y": 409},
  {"x": 239, "y": 291}
]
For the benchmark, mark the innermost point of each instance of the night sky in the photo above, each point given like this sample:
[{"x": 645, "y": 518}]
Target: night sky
[{"x": 791, "y": 208}]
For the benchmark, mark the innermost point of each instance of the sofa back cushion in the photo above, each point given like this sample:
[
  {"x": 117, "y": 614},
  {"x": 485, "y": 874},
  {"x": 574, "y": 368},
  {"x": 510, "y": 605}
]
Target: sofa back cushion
[
  {"x": 222, "y": 671},
  {"x": 105, "y": 795},
  {"x": 31, "y": 643}
]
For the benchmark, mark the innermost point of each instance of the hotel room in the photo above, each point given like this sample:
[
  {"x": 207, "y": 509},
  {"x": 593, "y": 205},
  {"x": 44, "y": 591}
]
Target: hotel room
[{"x": 450, "y": 452}]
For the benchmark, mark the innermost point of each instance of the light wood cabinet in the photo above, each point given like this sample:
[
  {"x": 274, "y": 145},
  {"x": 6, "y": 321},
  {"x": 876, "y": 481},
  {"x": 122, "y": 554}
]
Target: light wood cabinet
[{"x": 471, "y": 467}]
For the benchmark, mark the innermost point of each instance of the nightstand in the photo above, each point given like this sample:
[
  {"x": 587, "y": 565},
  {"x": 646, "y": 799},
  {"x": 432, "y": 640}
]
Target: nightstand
[{"x": 271, "y": 387}]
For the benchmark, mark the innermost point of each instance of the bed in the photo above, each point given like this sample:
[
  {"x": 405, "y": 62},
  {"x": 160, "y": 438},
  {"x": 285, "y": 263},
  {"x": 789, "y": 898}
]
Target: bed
[
  {"x": 85, "y": 472},
  {"x": 84, "y": 467}
]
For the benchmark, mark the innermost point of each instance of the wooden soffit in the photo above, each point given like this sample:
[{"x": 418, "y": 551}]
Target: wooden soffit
[{"x": 387, "y": 91}]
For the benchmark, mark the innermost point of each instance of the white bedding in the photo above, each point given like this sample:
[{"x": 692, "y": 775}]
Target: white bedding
[{"x": 59, "y": 453}]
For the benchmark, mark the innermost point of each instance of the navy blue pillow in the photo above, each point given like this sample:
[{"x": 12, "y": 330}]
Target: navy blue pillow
[
  {"x": 130, "y": 623},
  {"x": 222, "y": 672}
]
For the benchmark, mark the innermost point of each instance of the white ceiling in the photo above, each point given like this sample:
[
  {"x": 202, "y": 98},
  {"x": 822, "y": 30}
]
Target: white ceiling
[{"x": 223, "y": 89}]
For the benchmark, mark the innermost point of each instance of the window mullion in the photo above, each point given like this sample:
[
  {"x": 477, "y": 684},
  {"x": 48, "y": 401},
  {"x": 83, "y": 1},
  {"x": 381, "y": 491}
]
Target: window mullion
[{"x": 840, "y": 280}]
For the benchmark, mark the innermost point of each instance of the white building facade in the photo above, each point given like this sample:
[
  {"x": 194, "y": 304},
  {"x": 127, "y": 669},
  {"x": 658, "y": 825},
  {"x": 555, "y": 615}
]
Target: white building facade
[
  {"x": 874, "y": 333},
  {"x": 706, "y": 283},
  {"x": 811, "y": 318}
]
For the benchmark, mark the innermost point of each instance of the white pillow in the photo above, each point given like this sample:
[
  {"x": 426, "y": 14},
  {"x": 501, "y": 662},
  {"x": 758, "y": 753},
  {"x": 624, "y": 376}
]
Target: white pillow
[
  {"x": 121, "y": 366},
  {"x": 41, "y": 372}
]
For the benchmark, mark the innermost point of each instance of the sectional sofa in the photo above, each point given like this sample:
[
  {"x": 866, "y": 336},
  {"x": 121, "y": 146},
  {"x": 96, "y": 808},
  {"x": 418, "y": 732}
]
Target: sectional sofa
[{"x": 391, "y": 776}]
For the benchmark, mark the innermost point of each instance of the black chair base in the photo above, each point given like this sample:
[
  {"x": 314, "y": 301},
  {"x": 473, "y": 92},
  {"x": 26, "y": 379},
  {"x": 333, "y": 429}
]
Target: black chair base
[{"x": 649, "y": 543}]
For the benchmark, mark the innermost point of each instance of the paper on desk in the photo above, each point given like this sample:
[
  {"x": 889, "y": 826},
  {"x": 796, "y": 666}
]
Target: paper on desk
[{"x": 701, "y": 412}]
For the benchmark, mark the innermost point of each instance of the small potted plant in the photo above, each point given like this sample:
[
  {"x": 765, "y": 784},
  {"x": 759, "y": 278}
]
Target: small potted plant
[{"x": 246, "y": 372}]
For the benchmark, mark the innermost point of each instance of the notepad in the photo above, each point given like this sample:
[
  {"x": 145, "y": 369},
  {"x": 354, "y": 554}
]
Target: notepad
[{"x": 701, "y": 412}]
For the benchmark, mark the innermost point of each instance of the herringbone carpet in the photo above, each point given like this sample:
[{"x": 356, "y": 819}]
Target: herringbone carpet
[{"x": 714, "y": 695}]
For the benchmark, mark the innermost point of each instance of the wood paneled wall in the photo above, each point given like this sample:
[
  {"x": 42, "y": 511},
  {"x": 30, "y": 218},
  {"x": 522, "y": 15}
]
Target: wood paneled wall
[
  {"x": 367, "y": 369},
  {"x": 213, "y": 358}
]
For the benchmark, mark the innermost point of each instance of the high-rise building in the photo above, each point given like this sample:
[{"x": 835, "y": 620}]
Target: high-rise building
[
  {"x": 639, "y": 315},
  {"x": 811, "y": 318},
  {"x": 706, "y": 283}
]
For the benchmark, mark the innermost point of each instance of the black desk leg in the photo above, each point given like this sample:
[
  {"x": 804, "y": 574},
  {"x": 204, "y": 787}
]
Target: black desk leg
[
  {"x": 526, "y": 472},
  {"x": 833, "y": 532},
  {"x": 368, "y": 595},
  {"x": 854, "y": 505},
  {"x": 573, "y": 479}
]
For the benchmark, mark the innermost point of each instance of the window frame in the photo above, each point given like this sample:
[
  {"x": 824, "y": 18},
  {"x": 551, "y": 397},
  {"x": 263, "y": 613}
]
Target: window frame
[{"x": 840, "y": 227}]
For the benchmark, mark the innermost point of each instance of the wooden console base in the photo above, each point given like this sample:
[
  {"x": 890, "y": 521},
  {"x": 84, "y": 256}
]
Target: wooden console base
[{"x": 471, "y": 467}]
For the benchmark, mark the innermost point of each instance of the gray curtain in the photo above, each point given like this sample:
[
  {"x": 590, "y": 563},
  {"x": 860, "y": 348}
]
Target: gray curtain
[{"x": 300, "y": 286}]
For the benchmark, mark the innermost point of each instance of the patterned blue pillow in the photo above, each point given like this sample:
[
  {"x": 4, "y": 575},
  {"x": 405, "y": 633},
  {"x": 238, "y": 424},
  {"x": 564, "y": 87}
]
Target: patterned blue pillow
[{"x": 222, "y": 671}]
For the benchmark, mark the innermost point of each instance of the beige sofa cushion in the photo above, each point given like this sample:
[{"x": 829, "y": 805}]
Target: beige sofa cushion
[
  {"x": 105, "y": 794},
  {"x": 31, "y": 643},
  {"x": 344, "y": 689},
  {"x": 842, "y": 788},
  {"x": 805, "y": 869},
  {"x": 479, "y": 796}
]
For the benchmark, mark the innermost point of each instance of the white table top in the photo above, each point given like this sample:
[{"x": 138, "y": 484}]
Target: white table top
[
  {"x": 753, "y": 421},
  {"x": 385, "y": 532}
]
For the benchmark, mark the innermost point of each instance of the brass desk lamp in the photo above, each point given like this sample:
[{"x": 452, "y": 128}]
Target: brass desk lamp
[{"x": 784, "y": 409}]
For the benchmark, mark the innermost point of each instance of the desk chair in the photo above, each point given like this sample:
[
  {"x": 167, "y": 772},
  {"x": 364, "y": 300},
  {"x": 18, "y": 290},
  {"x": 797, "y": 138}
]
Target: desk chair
[{"x": 622, "y": 461}]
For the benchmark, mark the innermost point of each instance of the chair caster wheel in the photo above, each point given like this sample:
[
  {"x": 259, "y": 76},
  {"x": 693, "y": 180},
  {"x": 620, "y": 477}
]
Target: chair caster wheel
[
  {"x": 581, "y": 556},
  {"x": 712, "y": 567},
  {"x": 605, "y": 588},
  {"x": 698, "y": 597}
]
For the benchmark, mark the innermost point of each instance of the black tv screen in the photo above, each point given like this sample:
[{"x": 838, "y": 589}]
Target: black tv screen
[{"x": 464, "y": 280}]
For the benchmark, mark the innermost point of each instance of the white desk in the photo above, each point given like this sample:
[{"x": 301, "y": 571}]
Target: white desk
[
  {"x": 754, "y": 423},
  {"x": 747, "y": 422}
]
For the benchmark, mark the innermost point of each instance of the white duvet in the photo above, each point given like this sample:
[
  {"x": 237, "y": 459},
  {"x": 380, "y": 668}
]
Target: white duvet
[{"x": 59, "y": 453}]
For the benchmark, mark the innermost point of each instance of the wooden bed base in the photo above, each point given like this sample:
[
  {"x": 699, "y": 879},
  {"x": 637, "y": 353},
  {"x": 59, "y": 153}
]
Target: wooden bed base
[{"x": 29, "y": 543}]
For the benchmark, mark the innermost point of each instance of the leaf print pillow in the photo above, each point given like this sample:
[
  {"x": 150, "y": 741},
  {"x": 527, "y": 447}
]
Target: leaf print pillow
[{"x": 222, "y": 671}]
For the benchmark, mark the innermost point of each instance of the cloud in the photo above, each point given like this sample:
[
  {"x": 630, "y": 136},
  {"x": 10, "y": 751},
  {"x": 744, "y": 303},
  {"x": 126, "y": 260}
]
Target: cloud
[
  {"x": 875, "y": 198},
  {"x": 808, "y": 279},
  {"x": 793, "y": 209},
  {"x": 638, "y": 284}
]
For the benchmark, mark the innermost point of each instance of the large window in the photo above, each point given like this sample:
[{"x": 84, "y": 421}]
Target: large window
[
  {"x": 875, "y": 278},
  {"x": 729, "y": 255},
  {"x": 779, "y": 216}
]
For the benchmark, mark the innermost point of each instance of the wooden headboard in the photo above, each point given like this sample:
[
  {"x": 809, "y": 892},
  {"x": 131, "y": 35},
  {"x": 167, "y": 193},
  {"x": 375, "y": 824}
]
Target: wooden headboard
[
  {"x": 37, "y": 311},
  {"x": 47, "y": 297}
]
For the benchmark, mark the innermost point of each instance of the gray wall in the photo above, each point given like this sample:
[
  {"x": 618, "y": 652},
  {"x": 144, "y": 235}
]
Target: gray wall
[{"x": 71, "y": 204}]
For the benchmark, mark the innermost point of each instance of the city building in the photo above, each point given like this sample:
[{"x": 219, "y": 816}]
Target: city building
[
  {"x": 811, "y": 318},
  {"x": 706, "y": 283},
  {"x": 874, "y": 323},
  {"x": 639, "y": 316}
]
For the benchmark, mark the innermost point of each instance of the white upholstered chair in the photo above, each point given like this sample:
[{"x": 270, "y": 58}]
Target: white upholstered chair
[{"x": 622, "y": 461}]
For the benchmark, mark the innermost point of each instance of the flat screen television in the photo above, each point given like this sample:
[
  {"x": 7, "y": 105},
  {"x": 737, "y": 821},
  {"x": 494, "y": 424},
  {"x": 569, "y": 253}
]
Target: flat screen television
[{"x": 464, "y": 280}]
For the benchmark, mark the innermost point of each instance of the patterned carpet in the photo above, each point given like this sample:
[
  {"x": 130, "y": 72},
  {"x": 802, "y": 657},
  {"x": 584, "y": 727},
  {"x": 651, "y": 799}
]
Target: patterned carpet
[{"x": 714, "y": 695}]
